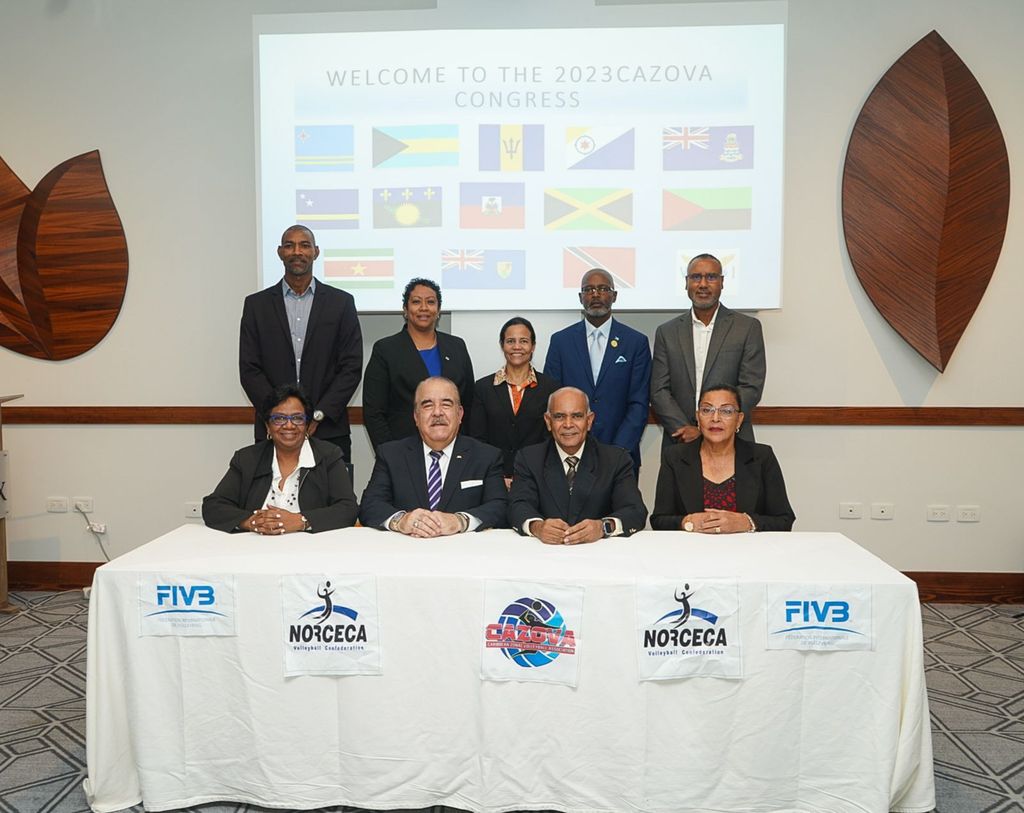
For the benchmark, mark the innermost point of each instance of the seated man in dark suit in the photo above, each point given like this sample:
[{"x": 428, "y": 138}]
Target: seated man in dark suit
[
  {"x": 572, "y": 488},
  {"x": 439, "y": 482}
]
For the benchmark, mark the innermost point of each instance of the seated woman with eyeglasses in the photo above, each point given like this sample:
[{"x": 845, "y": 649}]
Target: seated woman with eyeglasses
[
  {"x": 289, "y": 482},
  {"x": 719, "y": 483}
]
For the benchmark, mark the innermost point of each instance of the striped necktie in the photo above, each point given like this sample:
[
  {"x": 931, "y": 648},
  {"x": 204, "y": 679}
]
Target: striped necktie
[
  {"x": 434, "y": 481},
  {"x": 570, "y": 475}
]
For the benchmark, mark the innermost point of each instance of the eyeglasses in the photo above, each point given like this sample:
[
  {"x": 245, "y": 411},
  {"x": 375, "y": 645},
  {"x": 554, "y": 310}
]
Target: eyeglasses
[
  {"x": 705, "y": 277},
  {"x": 596, "y": 289},
  {"x": 726, "y": 411},
  {"x": 277, "y": 419}
]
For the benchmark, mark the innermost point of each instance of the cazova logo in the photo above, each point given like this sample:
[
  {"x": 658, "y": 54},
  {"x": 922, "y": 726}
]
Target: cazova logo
[
  {"x": 531, "y": 632},
  {"x": 318, "y": 631},
  {"x": 185, "y": 599}
]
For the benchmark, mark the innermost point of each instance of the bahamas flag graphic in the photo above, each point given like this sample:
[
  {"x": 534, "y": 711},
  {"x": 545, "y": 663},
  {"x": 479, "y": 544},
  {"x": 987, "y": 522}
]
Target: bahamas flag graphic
[
  {"x": 355, "y": 268},
  {"x": 511, "y": 147},
  {"x": 492, "y": 205},
  {"x": 327, "y": 208},
  {"x": 407, "y": 207},
  {"x": 707, "y": 147},
  {"x": 599, "y": 147},
  {"x": 591, "y": 208},
  {"x": 618, "y": 261},
  {"x": 416, "y": 145},
  {"x": 485, "y": 269},
  {"x": 714, "y": 209},
  {"x": 324, "y": 148}
]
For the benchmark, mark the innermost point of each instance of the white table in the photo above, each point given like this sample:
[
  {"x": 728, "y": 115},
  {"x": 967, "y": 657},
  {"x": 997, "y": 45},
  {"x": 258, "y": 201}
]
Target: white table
[{"x": 176, "y": 721}]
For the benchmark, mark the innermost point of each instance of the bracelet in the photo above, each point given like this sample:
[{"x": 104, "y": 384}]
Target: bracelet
[
  {"x": 753, "y": 527},
  {"x": 305, "y": 523},
  {"x": 463, "y": 523},
  {"x": 396, "y": 521}
]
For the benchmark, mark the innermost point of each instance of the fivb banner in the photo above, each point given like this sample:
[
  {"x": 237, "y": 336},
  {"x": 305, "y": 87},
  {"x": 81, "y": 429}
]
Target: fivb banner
[
  {"x": 182, "y": 604},
  {"x": 531, "y": 632},
  {"x": 819, "y": 617}
]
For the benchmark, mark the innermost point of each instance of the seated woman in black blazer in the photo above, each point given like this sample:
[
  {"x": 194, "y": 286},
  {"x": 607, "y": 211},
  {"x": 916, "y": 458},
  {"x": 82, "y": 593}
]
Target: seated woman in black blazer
[
  {"x": 508, "y": 406},
  {"x": 289, "y": 482},
  {"x": 720, "y": 483}
]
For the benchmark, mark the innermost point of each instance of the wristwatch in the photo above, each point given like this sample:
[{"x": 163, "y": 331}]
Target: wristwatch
[
  {"x": 607, "y": 527},
  {"x": 318, "y": 415}
]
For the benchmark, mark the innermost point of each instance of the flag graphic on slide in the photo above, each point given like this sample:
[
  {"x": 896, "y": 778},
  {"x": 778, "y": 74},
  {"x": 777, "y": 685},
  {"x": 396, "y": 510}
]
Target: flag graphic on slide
[
  {"x": 599, "y": 147},
  {"x": 618, "y": 261},
  {"x": 324, "y": 148},
  {"x": 492, "y": 205},
  {"x": 487, "y": 269},
  {"x": 729, "y": 257},
  {"x": 416, "y": 145},
  {"x": 712, "y": 209},
  {"x": 708, "y": 147},
  {"x": 355, "y": 268},
  {"x": 576, "y": 209},
  {"x": 327, "y": 208},
  {"x": 511, "y": 147},
  {"x": 407, "y": 207}
]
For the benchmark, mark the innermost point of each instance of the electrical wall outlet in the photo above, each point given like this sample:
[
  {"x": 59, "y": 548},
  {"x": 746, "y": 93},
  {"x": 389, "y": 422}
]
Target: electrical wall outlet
[
  {"x": 968, "y": 513},
  {"x": 82, "y": 504},
  {"x": 851, "y": 510},
  {"x": 194, "y": 510},
  {"x": 882, "y": 510},
  {"x": 937, "y": 513},
  {"x": 57, "y": 505}
]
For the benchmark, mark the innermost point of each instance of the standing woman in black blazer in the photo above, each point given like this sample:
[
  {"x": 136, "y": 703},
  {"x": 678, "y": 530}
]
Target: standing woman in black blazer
[
  {"x": 400, "y": 362},
  {"x": 509, "y": 406}
]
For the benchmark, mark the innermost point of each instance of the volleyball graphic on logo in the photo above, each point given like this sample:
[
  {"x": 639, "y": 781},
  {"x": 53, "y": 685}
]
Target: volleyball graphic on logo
[{"x": 535, "y": 632}]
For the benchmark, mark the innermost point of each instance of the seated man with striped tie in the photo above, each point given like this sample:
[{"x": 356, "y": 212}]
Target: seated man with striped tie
[
  {"x": 440, "y": 482},
  {"x": 573, "y": 488}
]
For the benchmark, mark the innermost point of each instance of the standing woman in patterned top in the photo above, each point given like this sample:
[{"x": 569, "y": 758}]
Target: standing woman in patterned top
[
  {"x": 509, "y": 405},
  {"x": 720, "y": 483}
]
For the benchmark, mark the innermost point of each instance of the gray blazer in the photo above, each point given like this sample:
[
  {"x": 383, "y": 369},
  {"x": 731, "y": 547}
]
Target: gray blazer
[{"x": 735, "y": 356}]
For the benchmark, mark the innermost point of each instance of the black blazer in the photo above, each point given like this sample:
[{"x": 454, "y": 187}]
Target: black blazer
[
  {"x": 494, "y": 422},
  {"x": 473, "y": 483},
  {"x": 326, "y": 498},
  {"x": 332, "y": 359},
  {"x": 760, "y": 489},
  {"x": 394, "y": 371},
  {"x": 605, "y": 486}
]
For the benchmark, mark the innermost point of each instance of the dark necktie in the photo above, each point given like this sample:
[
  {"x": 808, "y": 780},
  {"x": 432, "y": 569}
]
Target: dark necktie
[
  {"x": 434, "y": 481},
  {"x": 570, "y": 475}
]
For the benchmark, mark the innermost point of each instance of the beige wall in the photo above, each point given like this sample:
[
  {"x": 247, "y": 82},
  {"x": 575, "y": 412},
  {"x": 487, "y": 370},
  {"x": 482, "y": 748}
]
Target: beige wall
[{"x": 165, "y": 89}]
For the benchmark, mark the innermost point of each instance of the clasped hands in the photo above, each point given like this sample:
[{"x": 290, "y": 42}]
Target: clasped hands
[
  {"x": 557, "y": 531},
  {"x": 716, "y": 521},
  {"x": 274, "y": 521},
  {"x": 425, "y": 523}
]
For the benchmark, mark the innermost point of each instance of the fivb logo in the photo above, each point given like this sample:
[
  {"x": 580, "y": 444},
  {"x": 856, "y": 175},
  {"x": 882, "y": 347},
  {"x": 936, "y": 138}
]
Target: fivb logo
[
  {"x": 180, "y": 599},
  {"x": 811, "y": 614}
]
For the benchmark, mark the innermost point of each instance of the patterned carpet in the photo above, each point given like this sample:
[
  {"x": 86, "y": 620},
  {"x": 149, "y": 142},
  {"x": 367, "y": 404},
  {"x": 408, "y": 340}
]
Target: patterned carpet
[{"x": 974, "y": 657}]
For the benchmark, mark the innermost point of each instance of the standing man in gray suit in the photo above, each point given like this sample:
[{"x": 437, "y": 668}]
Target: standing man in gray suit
[{"x": 708, "y": 344}]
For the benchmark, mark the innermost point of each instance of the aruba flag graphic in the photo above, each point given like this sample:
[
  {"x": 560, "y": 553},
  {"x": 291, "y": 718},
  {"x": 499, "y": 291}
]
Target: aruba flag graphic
[{"x": 324, "y": 148}]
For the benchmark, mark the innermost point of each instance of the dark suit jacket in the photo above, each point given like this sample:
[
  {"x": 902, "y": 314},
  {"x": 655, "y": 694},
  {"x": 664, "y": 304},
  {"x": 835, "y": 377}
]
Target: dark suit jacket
[
  {"x": 494, "y": 422},
  {"x": 399, "y": 482},
  {"x": 332, "y": 358},
  {"x": 735, "y": 356},
  {"x": 394, "y": 371},
  {"x": 605, "y": 486},
  {"x": 760, "y": 489},
  {"x": 619, "y": 398},
  {"x": 326, "y": 498}
]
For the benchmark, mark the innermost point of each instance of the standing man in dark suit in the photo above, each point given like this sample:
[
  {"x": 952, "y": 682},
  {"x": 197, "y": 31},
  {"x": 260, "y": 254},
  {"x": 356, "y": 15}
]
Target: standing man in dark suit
[
  {"x": 572, "y": 488},
  {"x": 305, "y": 332},
  {"x": 708, "y": 344},
  {"x": 438, "y": 482},
  {"x": 609, "y": 362}
]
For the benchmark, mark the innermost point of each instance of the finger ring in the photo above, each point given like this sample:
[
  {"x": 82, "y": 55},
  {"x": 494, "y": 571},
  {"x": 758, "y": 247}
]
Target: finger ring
[
  {"x": 718, "y": 530},
  {"x": 416, "y": 523}
]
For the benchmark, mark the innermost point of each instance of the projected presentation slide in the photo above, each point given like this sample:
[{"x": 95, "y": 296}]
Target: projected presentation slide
[{"x": 505, "y": 164}]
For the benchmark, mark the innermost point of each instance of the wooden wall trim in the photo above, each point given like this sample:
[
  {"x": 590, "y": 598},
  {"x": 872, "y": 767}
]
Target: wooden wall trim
[
  {"x": 763, "y": 416},
  {"x": 964, "y": 588}
]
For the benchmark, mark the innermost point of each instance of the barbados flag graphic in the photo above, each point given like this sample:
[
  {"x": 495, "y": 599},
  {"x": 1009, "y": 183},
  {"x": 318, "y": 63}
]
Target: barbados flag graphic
[{"x": 511, "y": 147}]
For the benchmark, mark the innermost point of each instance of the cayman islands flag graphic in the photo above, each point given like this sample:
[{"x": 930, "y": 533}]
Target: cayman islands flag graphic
[
  {"x": 599, "y": 147},
  {"x": 407, "y": 207},
  {"x": 492, "y": 205},
  {"x": 485, "y": 269},
  {"x": 591, "y": 208},
  {"x": 618, "y": 261},
  {"x": 358, "y": 268},
  {"x": 714, "y": 209},
  {"x": 324, "y": 148},
  {"x": 327, "y": 208},
  {"x": 416, "y": 145},
  {"x": 511, "y": 147},
  {"x": 708, "y": 147}
]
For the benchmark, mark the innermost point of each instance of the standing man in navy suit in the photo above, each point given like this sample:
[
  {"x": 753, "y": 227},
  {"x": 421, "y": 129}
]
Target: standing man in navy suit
[
  {"x": 609, "y": 362},
  {"x": 299, "y": 331}
]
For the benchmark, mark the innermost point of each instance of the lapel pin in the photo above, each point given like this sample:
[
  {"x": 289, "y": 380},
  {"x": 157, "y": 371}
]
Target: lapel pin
[{"x": 615, "y": 342}]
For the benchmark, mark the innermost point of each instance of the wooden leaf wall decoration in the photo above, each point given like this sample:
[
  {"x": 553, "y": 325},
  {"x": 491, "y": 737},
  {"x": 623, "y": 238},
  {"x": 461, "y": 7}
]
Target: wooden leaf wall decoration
[
  {"x": 926, "y": 193},
  {"x": 63, "y": 260}
]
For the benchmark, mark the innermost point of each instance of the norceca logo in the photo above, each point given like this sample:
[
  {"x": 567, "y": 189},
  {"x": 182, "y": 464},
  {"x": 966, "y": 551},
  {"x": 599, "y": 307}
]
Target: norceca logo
[
  {"x": 809, "y": 614},
  {"x": 182, "y": 599},
  {"x": 686, "y": 627},
  {"x": 531, "y": 632},
  {"x": 328, "y": 625}
]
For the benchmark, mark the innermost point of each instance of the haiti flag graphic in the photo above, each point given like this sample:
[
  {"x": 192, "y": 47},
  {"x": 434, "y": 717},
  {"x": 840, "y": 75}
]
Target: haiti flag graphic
[{"x": 492, "y": 205}]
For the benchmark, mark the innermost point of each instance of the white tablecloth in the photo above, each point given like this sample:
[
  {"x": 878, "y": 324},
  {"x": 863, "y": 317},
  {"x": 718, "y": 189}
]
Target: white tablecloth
[{"x": 179, "y": 721}]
